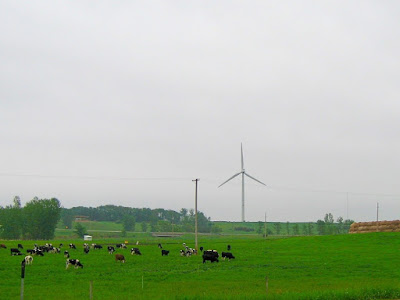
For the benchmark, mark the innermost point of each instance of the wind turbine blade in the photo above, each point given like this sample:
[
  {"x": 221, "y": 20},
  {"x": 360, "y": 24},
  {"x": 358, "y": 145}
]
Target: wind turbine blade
[
  {"x": 254, "y": 178},
  {"x": 231, "y": 178},
  {"x": 241, "y": 150}
]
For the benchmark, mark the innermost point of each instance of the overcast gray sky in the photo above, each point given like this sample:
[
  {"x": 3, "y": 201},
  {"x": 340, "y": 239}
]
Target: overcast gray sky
[{"x": 125, "y": 102}]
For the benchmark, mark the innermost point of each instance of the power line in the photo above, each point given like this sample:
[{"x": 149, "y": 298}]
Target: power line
[
  {"x": 95, "y": 177},
  {"x": 212, "y": 181}
]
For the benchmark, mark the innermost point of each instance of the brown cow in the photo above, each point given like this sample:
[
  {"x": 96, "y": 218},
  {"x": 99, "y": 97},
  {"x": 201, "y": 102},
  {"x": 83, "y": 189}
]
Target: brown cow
[
  {"x": 119, "y": 257},
  {"x": 3, "y": 246}
]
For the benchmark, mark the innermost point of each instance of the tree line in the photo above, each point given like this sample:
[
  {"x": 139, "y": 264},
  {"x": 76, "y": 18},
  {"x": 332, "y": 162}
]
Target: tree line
[
  {"x": 36, "y": 220},
  {"x": 155, "y": 220}
]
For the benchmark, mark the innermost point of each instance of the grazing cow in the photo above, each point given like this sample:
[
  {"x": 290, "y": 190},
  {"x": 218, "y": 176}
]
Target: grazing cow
[
  {"x": 61, "y": 245},
  {"x": 66, "y": 254},
  {"x": 54, "y": 250},
  {"x": 227, "y": 255},
  {"x": 164, "y": 252},
  {"x": 73, "y": 262},
  {"x": 86, "y": 250},
  {"x": 201, "y": 249},
  {"x": 97, "y": 247},
  {"x": 119, "y": 257},
  {"x": 229, "y": 247},
  {"x": 38, "y": 252},
  {"x": 110, "y": 249},
  {"x": 159, "y": 246},
  {"x": 15, "y": 251},
  {"x": 122, "y": 246},
  {"x": 30, "y": 251},
  {"x": 3, "y": 246},
  {"x": 72, "y": 246},
  {"x": 28, "y": 260},
  {"x": 20, "y": 246},
  {"x": 135, "y": 251},
  {"x": 211, "y": 255}
]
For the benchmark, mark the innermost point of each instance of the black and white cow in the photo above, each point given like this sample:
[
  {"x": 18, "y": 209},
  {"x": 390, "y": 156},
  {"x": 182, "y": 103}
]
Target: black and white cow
[
  {"x": 86, "y": 250},
  {"x": 110, "y": 249},
  {"x": 73, "y": 262},
  {"x": 135, "y": 251},
  {"x": 54, "y": 250},
  {"x": 122, "y": 246},
  {"x": 97, "y": 247},
  {"x": 201, "y": 249},
  {"x": 164, "y": 252},
  {"x": 37, "y": 252},
  {"x": 66, "y": 254},
  {"x": 72, "y": 246},
  {"x": 15, "y": 251},
  {"x": 229, "y": 247},
  {"x": 159, "y": 246},
  {"x": 227, "y": 255},
  {"x": 28, "y": 260},
  {"x": 20, "y": 246},
  {"x": 211, "y": 255}
]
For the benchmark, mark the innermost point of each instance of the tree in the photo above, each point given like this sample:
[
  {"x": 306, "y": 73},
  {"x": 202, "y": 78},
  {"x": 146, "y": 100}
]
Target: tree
[
  {"x": 321, "y": 227},
  {"x": 329, "y": 226},
  {"x": 128, "y": 223},
  {"x": 41, "y": 217},
  {"x": 346, "y": 224},
  {"x": 340, "y": 224},
  {"x": 80, "y": 230},
  {"x": 260, "y": 228},
  {"x": 287, "y": 228},
  {"x": 296, "y": 229},
  {"x": 144, "y": 226},
  {"x": 310, "y": 228},
  {"x": 17, "y": 202},
  {"x": 67, "y": 216},
  {"x": 277, "y": 228},
  {"x": 11, "y": 222}
]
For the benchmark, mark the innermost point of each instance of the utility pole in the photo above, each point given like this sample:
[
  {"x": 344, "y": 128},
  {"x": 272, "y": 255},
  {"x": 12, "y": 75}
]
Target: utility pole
[
  {"x": 195, "y": 216},
  {"x": 377, "y": 211},
  {"x": 377, "y": 216}
]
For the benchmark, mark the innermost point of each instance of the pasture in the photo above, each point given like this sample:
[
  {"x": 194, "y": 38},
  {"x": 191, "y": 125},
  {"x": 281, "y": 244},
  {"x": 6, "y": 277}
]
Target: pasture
[{"x": 364, "y": 266}]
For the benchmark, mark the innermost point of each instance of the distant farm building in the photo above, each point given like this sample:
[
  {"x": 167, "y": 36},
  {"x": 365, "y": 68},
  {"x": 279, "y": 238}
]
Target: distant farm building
[
  {"x": 380, "y": 226},
  {"x": 82, "y": 219}
]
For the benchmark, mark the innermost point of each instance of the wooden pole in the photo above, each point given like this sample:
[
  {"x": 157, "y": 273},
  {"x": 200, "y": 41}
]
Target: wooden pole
[
  {"x": 91, "y": 289},
  {"x": 22, "y": 278}
]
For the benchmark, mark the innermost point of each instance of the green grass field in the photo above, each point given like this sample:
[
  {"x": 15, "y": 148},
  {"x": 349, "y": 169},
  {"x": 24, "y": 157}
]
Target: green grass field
[{"x": 361, "y": 266}]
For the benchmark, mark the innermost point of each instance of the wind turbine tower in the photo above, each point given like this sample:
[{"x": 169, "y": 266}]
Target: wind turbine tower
[{"x": 243, "y": 172}]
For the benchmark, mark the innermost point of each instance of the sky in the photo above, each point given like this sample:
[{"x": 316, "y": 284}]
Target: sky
[{"x": 126, "y": 102}]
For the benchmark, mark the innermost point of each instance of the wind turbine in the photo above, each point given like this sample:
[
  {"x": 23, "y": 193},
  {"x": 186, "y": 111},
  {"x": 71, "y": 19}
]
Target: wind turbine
[{"x": 243, "y": 172}]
